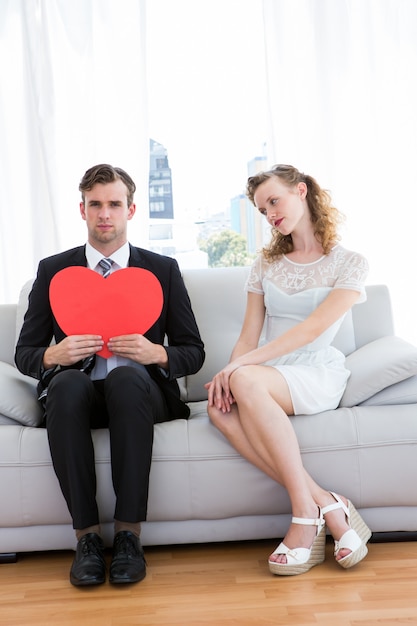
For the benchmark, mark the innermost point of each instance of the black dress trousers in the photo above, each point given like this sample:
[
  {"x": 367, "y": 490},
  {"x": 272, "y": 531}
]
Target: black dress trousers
[{"x": 129, "y": 403}]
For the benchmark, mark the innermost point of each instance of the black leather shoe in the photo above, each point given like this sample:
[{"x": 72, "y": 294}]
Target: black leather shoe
[
  {"x": 128, "y": 563},
  {"x": 89, "y": 566}
]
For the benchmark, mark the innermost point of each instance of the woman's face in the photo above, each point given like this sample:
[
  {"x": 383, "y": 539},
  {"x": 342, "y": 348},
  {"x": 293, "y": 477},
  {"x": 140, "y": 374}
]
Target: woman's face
[{"x": 284, "y": 207}]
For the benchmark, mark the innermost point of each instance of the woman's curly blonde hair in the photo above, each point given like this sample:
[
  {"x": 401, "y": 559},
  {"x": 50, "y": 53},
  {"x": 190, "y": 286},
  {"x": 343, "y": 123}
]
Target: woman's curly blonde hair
[{"x": 324, "y": 216}]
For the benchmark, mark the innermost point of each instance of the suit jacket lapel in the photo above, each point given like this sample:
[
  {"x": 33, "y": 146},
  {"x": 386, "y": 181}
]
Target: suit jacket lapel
[{"x": 136, "y": 259}]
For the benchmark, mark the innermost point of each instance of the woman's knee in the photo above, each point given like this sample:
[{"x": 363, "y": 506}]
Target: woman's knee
[{"x": 244, "y": 379}]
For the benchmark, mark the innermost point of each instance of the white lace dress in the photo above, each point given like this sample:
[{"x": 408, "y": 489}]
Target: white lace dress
[{"x": 316, "y": 374}]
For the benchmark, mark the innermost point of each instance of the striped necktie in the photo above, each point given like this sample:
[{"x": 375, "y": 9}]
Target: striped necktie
[{"x": 105, "y": 265}]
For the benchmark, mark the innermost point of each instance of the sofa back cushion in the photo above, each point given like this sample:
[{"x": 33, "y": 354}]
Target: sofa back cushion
[{"x": 218, "y": 299}]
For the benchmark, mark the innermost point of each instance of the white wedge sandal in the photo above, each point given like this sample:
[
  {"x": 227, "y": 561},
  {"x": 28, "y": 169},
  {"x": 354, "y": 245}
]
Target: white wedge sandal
[
  {"x": 300, "y": 560},
  {"x": 354, "y": 539}
]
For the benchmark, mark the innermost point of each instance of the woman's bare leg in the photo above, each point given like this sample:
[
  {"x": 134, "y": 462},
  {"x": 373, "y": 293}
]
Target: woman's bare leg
[{"x": 260, "y": 427}]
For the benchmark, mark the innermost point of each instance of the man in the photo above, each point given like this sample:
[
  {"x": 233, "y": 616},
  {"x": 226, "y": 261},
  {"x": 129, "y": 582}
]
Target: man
[{"x": 128, "y": 393}]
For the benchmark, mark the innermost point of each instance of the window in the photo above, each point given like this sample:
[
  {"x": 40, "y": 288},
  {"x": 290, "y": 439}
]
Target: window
[{"x": 207, "y": 117}]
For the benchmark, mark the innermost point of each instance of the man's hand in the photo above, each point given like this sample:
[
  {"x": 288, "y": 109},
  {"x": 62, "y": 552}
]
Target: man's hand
[
  {"x": 71, "y": 350},
  {"x": 139, "y": 349}
]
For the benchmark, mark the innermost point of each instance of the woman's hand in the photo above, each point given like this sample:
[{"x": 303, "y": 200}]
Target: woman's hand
[{"x": 219, "y": 393}]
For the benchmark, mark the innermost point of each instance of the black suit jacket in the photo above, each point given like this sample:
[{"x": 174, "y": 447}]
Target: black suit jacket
[{"x": 176, "y": 326}]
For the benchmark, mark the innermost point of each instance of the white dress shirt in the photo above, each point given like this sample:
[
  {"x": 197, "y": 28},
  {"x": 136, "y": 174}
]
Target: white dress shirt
[{"x": 120, "y": 260}]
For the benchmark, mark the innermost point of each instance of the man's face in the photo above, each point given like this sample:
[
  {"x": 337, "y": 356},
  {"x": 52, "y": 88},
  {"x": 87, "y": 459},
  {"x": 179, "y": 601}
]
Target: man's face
[{"x": 106, "y": 212}]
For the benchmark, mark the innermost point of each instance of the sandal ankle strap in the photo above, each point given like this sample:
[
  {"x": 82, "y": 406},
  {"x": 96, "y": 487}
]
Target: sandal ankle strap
[
  {"x": 308, "y": 521},
  {"x": 339, "y": 504}
]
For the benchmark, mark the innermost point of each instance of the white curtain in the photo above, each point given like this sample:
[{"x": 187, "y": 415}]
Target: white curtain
[
  {"x": 342, "y": 99},
  {"x": 72, "y": 94}
]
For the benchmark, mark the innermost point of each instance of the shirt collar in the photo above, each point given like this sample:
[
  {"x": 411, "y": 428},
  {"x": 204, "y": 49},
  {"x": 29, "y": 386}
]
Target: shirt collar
[{"x": 120, "y": 257}]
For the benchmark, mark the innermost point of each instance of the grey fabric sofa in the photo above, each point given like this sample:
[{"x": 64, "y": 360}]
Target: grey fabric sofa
[{"x": 201, "y": 490}]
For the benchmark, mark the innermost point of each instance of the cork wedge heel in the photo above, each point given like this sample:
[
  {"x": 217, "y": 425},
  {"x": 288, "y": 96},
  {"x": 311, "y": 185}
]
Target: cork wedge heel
[
  {"x": 354, "y": 539},
  {"x": 300, "y": 560}
]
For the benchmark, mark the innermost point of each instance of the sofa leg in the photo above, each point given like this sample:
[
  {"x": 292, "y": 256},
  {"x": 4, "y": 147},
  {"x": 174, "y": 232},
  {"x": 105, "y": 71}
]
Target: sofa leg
[{"x": 8, "y": 557}]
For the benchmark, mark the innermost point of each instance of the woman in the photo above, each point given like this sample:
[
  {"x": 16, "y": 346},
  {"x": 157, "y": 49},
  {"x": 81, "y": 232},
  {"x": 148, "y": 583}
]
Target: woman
[{"x": 300, "y": 286}]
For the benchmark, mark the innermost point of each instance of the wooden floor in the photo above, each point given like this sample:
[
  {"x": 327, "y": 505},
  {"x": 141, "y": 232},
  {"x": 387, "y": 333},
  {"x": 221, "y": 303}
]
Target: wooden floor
[{"x": 216, "y": 584}]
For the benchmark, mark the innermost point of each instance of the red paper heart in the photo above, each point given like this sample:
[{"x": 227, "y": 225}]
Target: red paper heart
[{"x": 129, "y": 301}]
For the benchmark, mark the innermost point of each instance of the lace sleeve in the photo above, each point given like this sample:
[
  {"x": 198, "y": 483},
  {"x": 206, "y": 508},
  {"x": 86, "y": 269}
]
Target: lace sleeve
[
  {"x": 254, "y": 280},
  {"x": 353, "y": 274}
]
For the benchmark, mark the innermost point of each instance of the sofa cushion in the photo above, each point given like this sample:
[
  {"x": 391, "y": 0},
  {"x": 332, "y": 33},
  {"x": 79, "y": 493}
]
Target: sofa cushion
[
  {"x": 18, "y": 396},
  {"x": 404, "y": 392},
  {"x": 377, "y": 365}
]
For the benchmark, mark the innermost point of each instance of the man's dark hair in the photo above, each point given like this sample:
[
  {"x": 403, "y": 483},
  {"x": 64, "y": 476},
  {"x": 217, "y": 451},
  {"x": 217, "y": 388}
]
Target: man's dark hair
[{"x": 105, "y": 174}]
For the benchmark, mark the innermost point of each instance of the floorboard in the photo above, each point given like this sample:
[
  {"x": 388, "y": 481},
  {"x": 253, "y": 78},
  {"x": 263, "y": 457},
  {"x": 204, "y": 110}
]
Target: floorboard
[{"x": 216, "y": 584}]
